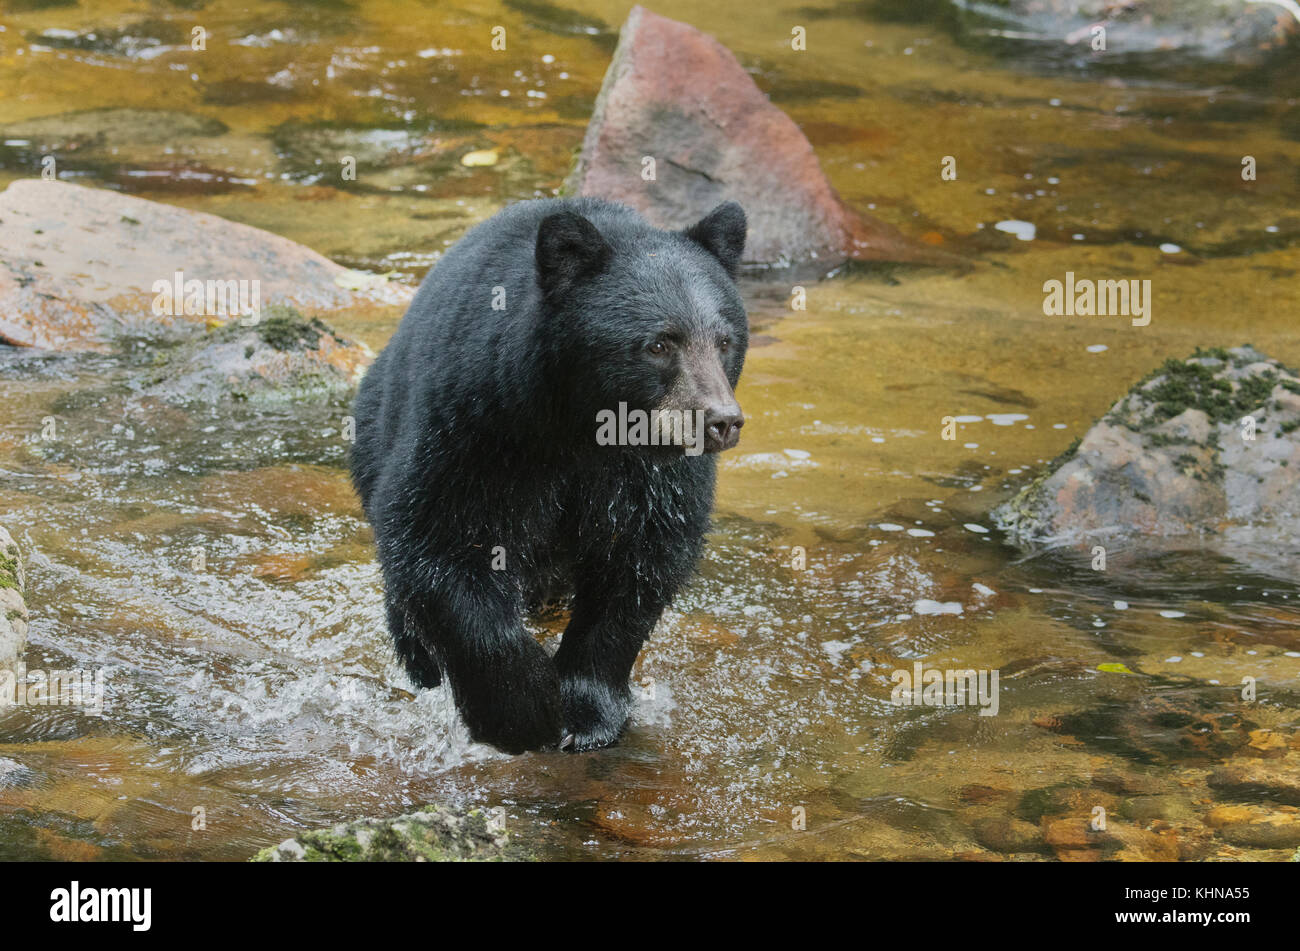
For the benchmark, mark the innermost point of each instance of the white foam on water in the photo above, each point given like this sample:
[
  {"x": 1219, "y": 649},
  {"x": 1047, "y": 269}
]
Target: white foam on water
[
  {"x": 926, "y": 607},
  {"x": 1021, "y": 229},
  {"x": 1005, "y": 419}
]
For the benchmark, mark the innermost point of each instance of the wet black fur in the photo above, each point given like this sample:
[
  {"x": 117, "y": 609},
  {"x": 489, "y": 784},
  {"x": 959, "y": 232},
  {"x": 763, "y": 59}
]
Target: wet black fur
[{"x": 476, "y": 429}]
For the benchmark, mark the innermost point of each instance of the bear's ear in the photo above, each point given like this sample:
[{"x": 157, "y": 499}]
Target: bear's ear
[
  {"x": 569, "y": 249},
  {"x": 722, "y": 233}
]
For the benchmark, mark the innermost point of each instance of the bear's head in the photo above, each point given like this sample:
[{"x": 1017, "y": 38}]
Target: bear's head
[{"x": 654, "y": 330}]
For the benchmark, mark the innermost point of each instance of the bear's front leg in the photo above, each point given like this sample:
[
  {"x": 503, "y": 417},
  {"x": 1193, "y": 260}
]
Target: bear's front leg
[
  {"x": 505, "y": 685},
  {"x": 606, "y": 632}
]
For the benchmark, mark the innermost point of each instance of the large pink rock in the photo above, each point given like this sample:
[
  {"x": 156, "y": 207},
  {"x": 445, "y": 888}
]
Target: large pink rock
[
  {"x": 78, "y": 265},
  {"x": 677, "y": 95}
]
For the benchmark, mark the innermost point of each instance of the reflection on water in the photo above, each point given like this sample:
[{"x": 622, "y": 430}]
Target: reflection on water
[{"x": 256, "y": 682}]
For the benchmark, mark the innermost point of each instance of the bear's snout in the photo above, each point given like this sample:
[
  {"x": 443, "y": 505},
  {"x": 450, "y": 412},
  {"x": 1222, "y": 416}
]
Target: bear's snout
[{"x": 722, "y": 427}]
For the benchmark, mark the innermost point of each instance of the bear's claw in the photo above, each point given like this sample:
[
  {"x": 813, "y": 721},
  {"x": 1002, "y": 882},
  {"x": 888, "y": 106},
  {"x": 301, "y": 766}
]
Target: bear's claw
[{"x": 594, "y": 714}]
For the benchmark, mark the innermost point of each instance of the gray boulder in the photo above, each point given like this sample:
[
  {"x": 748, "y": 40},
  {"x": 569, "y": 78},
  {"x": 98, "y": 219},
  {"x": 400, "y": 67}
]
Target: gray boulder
[
  {"x": 80, "y": 266},
  {"x": 1208, "y": 446}
]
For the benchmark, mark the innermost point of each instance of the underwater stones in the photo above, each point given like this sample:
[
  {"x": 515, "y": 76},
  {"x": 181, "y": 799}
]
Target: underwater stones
[
  {"x": 1251, "y": 779},
  {"x": 13, "y": 610},
  {"x": 80, "y": 266},
  {"x": 89, "y": 129},
  {"x": 1262, "y": 810},
  {"x": 433, "y": 834},
  {"x": 1083, "y": 824},
  {"x": 1207, "y": 446},
  {"x": 1157, "y": 726},
  {"x": 679, "y": 97},
  {"x": 1007, "y": 834},
  {"x": 1255, "y": 827},
  {"x": 1268, "y": 744}
]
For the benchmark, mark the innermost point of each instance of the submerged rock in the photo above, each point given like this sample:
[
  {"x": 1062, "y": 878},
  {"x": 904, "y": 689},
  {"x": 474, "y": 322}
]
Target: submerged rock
[
  {"x": 231, "y": 398},
  {"x": 1255, "y": 827},
  {"x": 433, "y": 834},
  {"x": 80, "y": 266},
  {"x": 1154, "y": 722},
  {"x": 1207, "y": 446},
  {"x": 1258, "y": 779},
  {"x": 113, "y": 128},
  {"x": 13, "y": 610},
  {"x": 1007, "y": 834},
  {"x": 1227, "y": 30},
  {"x": 678, "y": 96},
  {"x": 284, "y": 356}
]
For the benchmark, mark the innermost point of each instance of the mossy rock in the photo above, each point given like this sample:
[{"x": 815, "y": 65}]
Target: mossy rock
[
  {"x": 284, "y": 357},
  {"x": 10, "y": 569},
  {"x": 433, "y": 834},
  {"x": 1206, "y": 446},
  {"x": 13, "y": 610}
]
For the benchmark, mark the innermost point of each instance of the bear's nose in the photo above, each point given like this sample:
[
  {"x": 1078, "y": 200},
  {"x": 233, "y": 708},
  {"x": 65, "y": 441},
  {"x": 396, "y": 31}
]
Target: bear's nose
[{"x": 722, "y": 430}]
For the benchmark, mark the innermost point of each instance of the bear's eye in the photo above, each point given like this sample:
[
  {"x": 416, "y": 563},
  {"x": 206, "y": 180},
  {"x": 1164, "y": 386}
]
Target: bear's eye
[
  {"x": 724, "y": 344},
  {"x": 658, "y": 348}
]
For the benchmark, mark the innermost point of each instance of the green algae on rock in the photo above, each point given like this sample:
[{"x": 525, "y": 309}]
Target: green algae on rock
[
  {"x": 1204, "y": 446},
  {"x": 284, "y": 356},
  {"x": 433, "y": 834},
  {"x": 13, "y": 610}
]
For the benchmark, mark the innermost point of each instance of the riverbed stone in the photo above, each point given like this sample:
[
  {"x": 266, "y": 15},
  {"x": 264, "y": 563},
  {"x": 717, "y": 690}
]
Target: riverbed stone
[
  {"x": 1170, "y": 459},
  {"x": 1073, "y": 832},
  {"x": 13, "y": 609},
  {"x": 1268, "y": 744},
  {"x": 432, "y": 834},
  {"x": 1144, "y": 810},
  {"x": 1250, "y": 779},
  {"x": 1154, "y": 728},
  {"x": 1256, "y": 827},
  {"x": 1007, "y": 834},
  {"x": 679, "y": 97},
  {"x": 78, "y": 266}
]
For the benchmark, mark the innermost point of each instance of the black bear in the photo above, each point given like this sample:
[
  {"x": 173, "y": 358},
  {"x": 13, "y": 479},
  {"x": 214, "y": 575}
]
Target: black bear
[{"x": 541, "y": 428}]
